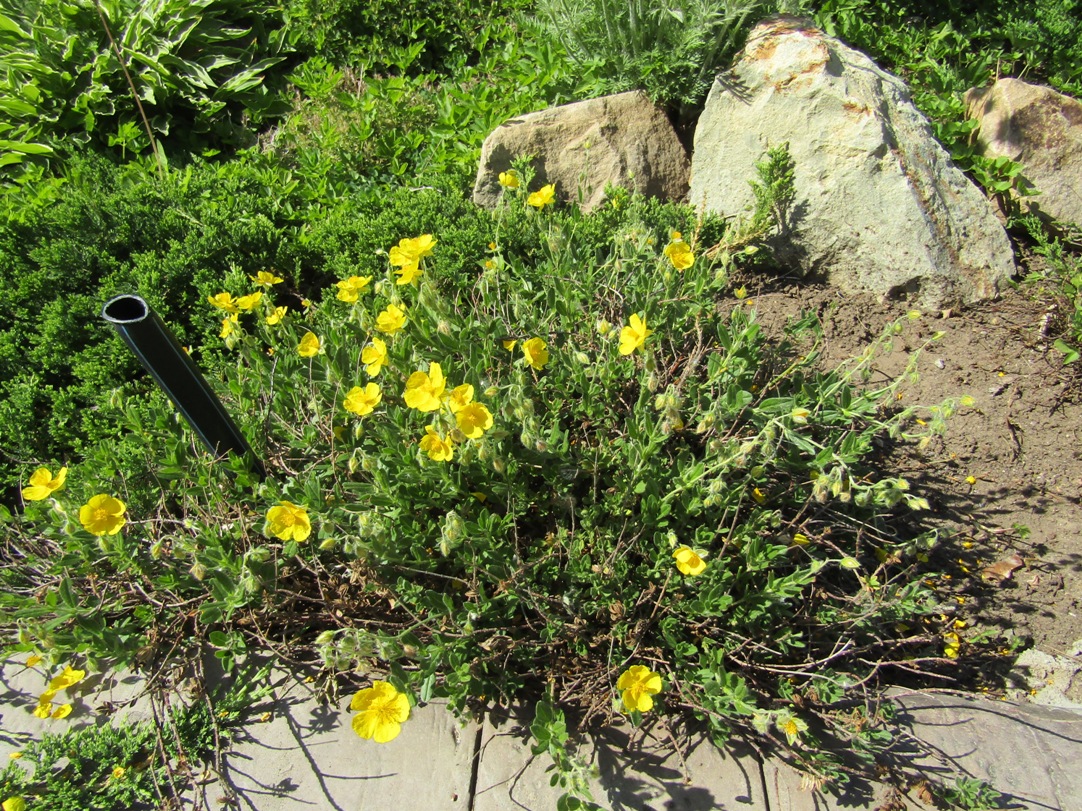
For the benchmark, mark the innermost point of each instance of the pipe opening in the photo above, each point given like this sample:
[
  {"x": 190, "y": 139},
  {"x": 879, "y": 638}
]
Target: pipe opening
[{"x": 125, "y": 310}]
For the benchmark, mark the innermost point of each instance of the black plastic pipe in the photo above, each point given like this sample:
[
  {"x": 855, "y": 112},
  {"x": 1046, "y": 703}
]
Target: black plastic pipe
[{"x": 162, "y": 355}]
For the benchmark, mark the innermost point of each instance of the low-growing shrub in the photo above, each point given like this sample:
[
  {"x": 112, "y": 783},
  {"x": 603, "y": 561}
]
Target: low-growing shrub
[
  {"x": 414, "y": 36},
  {"x": 573, "y": 475}
]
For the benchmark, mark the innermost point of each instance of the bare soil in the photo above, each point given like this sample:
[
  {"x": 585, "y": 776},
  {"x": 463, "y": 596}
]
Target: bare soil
[{"x": 1021, "y": 444}]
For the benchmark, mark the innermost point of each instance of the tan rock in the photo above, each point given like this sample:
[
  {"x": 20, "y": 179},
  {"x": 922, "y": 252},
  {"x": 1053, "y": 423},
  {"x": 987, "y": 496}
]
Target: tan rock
[
  {"x": 1042, "y": 130},
  {"x": 624, "y": 140}
]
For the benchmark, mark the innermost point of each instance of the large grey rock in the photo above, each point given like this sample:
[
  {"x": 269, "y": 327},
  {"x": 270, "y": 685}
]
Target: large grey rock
[
  {"x": 879, "y": 206},
  {"x": 1042, "y": 130},
  {"x": 624, "y": 140}
]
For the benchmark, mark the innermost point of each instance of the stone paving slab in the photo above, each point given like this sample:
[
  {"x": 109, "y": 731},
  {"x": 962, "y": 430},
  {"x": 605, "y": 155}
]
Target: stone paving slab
[
  {"x": 91, "y": 698},
  {"x": 786, "y": 791},
  {"x": 1032, "y": 754},
  {"x": 307, "y": 757},
  {"x": 629, "y": 773}
]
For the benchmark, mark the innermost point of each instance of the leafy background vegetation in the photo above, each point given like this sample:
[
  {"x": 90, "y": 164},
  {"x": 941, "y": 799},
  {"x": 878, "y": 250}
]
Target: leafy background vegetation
[{"x": 306, "y": 138}]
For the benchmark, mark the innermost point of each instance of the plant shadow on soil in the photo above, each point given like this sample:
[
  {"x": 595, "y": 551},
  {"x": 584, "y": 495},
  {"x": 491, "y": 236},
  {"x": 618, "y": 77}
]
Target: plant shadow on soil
[{"x": 1005, "y": 478}]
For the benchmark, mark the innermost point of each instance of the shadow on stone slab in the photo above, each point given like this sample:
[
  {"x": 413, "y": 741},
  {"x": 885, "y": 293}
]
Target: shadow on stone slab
[
  {"x": 306, "y": 756},
  {"x": 1028, "y": 753},
  {"x": 631, "y": 771}
]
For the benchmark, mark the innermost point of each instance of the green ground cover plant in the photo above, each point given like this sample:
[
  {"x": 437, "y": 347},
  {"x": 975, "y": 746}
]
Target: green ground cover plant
[
  {"x": 572, "y": 476},
  {"x": 518, "y": 455}
]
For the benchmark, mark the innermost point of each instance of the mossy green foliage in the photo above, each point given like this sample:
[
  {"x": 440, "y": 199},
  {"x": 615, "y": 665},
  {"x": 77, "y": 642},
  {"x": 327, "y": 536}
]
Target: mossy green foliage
[
  {"x": 415, "y": 36},
  {"x": 67, "y": 247}
]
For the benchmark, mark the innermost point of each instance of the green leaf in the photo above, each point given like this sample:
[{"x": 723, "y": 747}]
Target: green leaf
[
  {"x": 26, "y": 148},
  {"x": 1070, "y": 353},
  {"x": 9, "y": 25}
]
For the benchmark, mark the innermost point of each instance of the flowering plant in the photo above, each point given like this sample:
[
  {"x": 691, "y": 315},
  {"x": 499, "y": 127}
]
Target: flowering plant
[{"x": 610, "y": 514}]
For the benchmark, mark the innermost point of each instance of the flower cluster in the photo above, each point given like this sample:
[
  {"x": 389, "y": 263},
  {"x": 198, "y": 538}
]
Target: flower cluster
[
  {"x": 233, "y": 307},
  {"x": 427, "y": 392},
  {"x": 67, "y": 678},
  {"x": 407, "y": 256}
]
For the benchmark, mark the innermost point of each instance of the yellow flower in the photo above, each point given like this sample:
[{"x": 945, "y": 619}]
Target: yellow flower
[
  {"x": 43, "y": 484},
  {"x": 266, "y": 278},
  {"x": 460, "y": 397},
  {"x": 102, "y": 515},
  {"x": 15, "y": 755},
  {"x": 228, "y": 325},
  {"x": 374, "y": 356},
  {"x": 14, "y": 804},
  {"x": 223, "y": 301},
  {"x": 509, "y": 344},
  {"x": 438, "y": 448},
  {"x": 758, "y": 495},
  {"x": 349, "y": 290},
  {"x": 250, "y": 301},
  {"x": 792, "y": 726},
  {"x": 309, "y": 345},
  {"x": 391, "y": 320},
  {"x": 119, "y": 772},
  {"x": 536, "y": 352},
  {"x": 637, "y": 685},
  {"x": 288, "y": 522},
  {"x": 800, "y": 415},
  {"x": 473, "y": 420},
  {"x": 63, "y": 711},
  {"x": 381, "y": 711},
  {"x": 362, "y": 401},
  {"x": 277, "y": 316},
  {"x": 510, "y": 179},
  {"x": 543, "y": 197},
  {"x": 424, "y": 390},
  {"x": 43, "y": 710},
  {"x": 408, "y": 273},
  {"x": 33, "y": 660},
  {"x": 688, "y": 561},
  {"x": 679, "y": 253},
  {"x": 634, "y": 335},
  {"x": 62, "y": 681}
]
